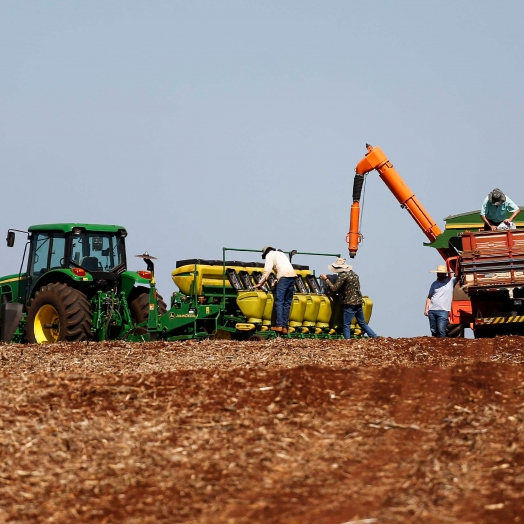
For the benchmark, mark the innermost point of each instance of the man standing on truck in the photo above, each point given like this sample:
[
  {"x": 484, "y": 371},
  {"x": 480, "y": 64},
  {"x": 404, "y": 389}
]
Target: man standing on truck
[
  {"x": 495, "y": 209},
  {"x": 348, "y": 284},
  {"x": 438, "y": 303},
  {"x": 278, "y": 262}
]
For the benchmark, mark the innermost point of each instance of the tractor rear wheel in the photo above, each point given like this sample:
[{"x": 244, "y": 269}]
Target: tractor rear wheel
[
  {"x": 139, "y": 304},
  {"x": 58, "y": 313}
]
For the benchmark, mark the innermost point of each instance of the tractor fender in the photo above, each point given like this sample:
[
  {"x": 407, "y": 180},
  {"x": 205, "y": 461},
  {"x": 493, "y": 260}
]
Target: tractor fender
[
  {"x": 130, "y": 279},
  {"x": 63, "y": 276}
]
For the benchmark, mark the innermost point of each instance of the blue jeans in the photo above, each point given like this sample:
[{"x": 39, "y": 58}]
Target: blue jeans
[
  {"x": 351, "y": 311},
  {"x": 438, "y": 322},
  {"x": 283, "y": 299}
]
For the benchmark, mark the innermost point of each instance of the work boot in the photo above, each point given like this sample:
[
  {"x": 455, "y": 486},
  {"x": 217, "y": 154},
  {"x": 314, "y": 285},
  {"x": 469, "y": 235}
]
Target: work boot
[
  {"x": 284, "y": 331},
  {"x": 278, "y": 329}
]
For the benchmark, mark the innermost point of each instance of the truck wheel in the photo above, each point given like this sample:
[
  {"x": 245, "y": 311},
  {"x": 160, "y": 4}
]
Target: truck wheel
[
  {"x": 455, "y": 331},
  {"x": 58, "y": 313},
  {"x": 139, "y": 304}
]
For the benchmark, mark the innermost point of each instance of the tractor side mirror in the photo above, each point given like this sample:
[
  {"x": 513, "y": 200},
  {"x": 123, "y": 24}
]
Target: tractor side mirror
[{"x": 10, "y": 238}]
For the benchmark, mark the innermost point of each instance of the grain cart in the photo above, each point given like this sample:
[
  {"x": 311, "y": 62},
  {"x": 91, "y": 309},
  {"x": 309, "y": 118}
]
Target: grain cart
[
  {"x": 489, "y": 296},
  {"x": 76, "y": 287}
]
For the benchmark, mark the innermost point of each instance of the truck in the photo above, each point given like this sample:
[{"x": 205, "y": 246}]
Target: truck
[
  {"x": 489, "y": 265},
  {"x": 76, "y": 286}
]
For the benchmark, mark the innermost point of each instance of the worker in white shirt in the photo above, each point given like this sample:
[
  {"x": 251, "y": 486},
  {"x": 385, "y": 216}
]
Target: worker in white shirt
[
  {"x": 438, "y": 301},
  {"x": 278, "y": 262}
]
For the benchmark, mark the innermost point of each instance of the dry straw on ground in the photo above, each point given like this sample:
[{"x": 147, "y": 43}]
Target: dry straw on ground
[{"x": 391, "y": 430}]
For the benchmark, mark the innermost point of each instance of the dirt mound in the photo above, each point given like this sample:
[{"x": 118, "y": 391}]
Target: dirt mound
[{"x": 390, "y": 430}]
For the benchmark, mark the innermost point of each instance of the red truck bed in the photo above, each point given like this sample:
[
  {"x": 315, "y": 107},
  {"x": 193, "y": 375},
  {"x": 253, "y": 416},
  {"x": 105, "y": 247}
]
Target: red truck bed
[{"x": 492, "y": 259}]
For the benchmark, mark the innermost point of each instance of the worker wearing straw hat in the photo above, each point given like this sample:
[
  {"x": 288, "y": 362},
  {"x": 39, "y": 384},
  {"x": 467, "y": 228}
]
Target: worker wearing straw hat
[
  {"x": 278, "y": 262},
  {"x": 438, "y": 302},
  {"x": 349, "y": 285}
]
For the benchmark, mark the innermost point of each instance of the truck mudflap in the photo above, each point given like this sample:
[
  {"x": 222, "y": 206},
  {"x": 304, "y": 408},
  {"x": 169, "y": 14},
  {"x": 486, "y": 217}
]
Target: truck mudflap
[{"x": 488, "y": 321}]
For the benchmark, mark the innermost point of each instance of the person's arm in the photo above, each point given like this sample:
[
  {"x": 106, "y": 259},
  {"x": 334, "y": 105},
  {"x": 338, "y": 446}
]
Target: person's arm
[
  {"x": 516, "y": 210},
  {"x": 488, "y": 223},
  {"x": 484, "y": 212},
  {"x": 334, "y": 287},
  {"x": 428, "y": 302},
  {"x": 268, "y": 267},
  {"x": 428, "y": 299}
]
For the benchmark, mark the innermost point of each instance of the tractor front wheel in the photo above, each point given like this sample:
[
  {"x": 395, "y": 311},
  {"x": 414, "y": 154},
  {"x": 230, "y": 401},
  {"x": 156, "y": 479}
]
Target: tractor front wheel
[{"x": 58, "y": 313}]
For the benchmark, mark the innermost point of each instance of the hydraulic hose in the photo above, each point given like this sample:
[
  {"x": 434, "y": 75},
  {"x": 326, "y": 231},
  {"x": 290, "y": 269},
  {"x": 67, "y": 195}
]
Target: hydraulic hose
[{"x": 358, "y": 183}]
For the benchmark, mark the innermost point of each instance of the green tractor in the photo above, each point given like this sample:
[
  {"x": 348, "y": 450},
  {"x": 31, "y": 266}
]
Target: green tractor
[{"x": 76, "y": 287}]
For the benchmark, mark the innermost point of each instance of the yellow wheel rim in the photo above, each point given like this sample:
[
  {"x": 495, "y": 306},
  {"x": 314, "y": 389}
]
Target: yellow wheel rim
[
  {"x": 222, "y": 334},
  {"x": 47, "y": 325}
]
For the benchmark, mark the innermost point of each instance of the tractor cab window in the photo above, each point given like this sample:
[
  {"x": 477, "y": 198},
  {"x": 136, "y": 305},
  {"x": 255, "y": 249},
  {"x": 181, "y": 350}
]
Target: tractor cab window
[
  {"x": 97, "y": 251},
  {"x": 57, "y": 248},
  {"x": 47, "y": 252}
]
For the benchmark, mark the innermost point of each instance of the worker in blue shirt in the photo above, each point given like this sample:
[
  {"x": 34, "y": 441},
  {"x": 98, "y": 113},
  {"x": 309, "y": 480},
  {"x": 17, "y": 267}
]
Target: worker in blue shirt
[{"x": 495, "y": 210}]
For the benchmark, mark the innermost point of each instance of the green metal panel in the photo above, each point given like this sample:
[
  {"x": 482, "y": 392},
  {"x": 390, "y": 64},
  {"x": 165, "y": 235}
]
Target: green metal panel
[
  {"x": 130, "y": 279},
  {"x": 10, "y": 286},
  {"x": 67, "y": 227},
  {"x": 471, "y": 220},
  {"x": 10, "y": 278}
]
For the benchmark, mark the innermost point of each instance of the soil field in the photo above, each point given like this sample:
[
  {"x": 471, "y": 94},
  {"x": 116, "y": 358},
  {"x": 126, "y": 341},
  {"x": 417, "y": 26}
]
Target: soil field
[{"x": 379, "y": 431}]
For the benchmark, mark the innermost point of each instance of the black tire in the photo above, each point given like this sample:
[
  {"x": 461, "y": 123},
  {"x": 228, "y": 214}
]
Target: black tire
[
  {"x": 484, "y": 333},
  {"x": 455, "y": 331},
  {"x": 58, "y": 313},
  {"x": 139, "y": 304}
]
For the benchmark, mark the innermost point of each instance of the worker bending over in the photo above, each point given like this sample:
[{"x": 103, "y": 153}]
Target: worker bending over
[
  {"x": 278, "y": 262},
  {"x": 495, "y": 210}
]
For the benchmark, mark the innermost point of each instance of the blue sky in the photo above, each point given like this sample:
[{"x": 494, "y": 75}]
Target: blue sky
[{"x": 199, "y": 125}]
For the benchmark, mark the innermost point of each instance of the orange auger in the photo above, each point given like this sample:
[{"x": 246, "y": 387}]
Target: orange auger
[
  {"x": 376, "y": 159},
  {"x": 354, "y": 237}
]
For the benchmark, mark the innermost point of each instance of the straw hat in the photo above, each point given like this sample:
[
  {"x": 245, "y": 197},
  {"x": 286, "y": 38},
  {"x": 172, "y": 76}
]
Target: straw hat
[
  {"x": 440, "y": 269},
  {"x": 339, "y": 266}
]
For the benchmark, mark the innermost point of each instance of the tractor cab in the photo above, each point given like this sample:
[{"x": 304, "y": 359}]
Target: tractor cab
[
  {"x": 92, "y": 255},
  {"x": 76, "y": 286}
]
